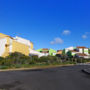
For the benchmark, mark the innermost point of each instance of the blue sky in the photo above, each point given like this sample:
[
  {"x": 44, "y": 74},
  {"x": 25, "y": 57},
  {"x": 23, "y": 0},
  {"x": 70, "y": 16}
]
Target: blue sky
[{"x": 53, "y": 24}]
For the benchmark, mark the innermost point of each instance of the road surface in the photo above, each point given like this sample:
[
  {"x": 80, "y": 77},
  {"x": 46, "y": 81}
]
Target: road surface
[{"x": 61, "y": 78}]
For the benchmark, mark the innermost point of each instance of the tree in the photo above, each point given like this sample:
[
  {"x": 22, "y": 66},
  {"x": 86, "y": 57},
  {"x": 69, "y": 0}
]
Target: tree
[
  {"x": 69, "y": 54},
  {"x": 89, "y": 50},
  {"x": 63, "y": 52}
]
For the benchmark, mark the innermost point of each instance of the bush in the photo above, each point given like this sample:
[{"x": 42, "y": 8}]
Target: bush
[
  {"x": 32, "y": 62},
  {"x": 17, "y": 66},
  {"x": 15, "y": 56},
  {"x": 43, "y": 59},
  {"x": 49, "y": 59},
  {"x": 69, "y": 54},
  {"x": 18, "y": 58},
  {"x": 80, "y": 60},
  {"x": 1, "y": 58},
  {"x": 4, "y": 67},
  {"x": 24, "y": 60},
  {"x": 35, "y": 58}
]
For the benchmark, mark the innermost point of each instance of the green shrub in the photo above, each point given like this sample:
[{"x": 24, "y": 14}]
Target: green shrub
[
  {"x": 43, "y": 59},
  {"x": 18, "y": 66},
  {"x": 1, "y": 58},
  {"x": 15, "y": 56},
  {"x": 49, "y": 59},
  {"x": 69, "y": 54},
  {"x": 4, "y": 67},
  {"x": 25, "y": 60},
  {"x": 80, "y": 60},
  {"x": 35, "y": 58},
  {"x": 18, "y": 58},
  {"x": 32, "y": 62}
]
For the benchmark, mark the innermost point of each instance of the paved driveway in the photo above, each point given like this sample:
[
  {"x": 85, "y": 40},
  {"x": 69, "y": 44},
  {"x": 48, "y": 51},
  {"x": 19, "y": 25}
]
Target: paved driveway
[{"x": 61, "y": 78}]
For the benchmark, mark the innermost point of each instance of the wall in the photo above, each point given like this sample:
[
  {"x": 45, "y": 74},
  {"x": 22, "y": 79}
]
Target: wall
[
  {"x": 68, "y": 49},
  {"x": 31, "y": 45},
  {"x": 19, "y": 47},
  {"x": 73, "y": 53},
  {"x": 2, "y": 46},
  {"x": 3, "y": 35},
  {"x": 52, "y": 52},
  {"x": 86, "y": 51},
  {"x": 80, "y": 50},
  {"x": 10, "y": 45},
  {"x": 7, "y": 43},
  {"x": 22, "y": 40}
]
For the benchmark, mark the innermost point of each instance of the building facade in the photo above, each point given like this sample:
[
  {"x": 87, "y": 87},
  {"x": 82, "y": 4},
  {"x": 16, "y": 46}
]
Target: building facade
[
  {"x": 59, "y": 52},
  {"x": 47, "y": 51},
  {"x": 83, "y": 50},
  {"x": 17, "y": 44},
  {"x": 69, "y": 48},
  {"x": 79, "y": 51}
]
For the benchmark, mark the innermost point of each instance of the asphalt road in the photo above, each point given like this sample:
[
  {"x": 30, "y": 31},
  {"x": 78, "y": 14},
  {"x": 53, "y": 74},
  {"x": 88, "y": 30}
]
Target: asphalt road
[{"x": 61, "y": 78}]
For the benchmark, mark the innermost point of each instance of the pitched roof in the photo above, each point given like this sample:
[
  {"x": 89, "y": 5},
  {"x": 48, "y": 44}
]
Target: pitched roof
[
  {"x": 45, "y": 49},
  {"x": 81, "y": 47}
]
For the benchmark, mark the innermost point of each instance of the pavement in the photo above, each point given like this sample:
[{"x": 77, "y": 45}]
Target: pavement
[
  {"x": 59, "y": 78},
  {"x": 87, "y": 71}
]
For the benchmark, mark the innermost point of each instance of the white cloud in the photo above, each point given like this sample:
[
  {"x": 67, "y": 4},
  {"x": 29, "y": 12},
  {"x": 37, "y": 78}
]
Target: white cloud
[
  {"x": 84, "y": 36},
  {"x": 87, "y": 33},
  {"x": 57, "y": 41},
  {"x": 66, "y": 32}
]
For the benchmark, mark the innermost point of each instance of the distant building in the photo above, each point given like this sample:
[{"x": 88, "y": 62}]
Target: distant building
[
  {"x": 83, "y": 50},
  {"x": 82, "y": 55},
  {"x": 79, "y": 51},
  {"x": 47, "y": 51},
  {"x": 37, "y": 53},
  {"x": 69, "y": 48},
  {"x": 73, "y": 52},
  {"x": 59, "y": 52}
]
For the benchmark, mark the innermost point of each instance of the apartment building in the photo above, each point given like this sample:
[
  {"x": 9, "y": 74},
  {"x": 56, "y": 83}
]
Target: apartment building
[
  {"x": 79, "y": 51},
  {"x": 10, "y": 44},
  {"x": 83, "y": 49}
]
